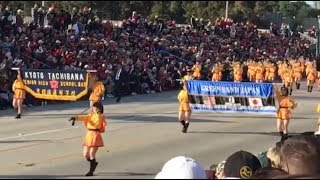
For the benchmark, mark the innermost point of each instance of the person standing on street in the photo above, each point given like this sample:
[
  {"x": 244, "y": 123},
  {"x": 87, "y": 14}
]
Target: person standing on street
[
  {"x": 95, "y": 122},
  {"x": 184, "y": 108},
  {"x": 19, "y": 94}
]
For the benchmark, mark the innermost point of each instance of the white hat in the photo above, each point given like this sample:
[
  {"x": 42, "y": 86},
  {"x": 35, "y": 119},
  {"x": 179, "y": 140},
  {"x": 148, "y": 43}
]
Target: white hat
[
  {"x": 182, "y": 168},
  {"x": 82, "y": 39},
  {"x": 40, "y": 41},
  {"x": 57, "y": 41}
]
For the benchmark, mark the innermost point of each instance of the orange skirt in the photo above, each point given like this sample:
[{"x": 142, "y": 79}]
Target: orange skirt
[
  {"x": 283, "y": 114},
  {"x": 93, "y": 139},
  {"x": 184, "y": 106},
  {"x": 19, "y": 94}
]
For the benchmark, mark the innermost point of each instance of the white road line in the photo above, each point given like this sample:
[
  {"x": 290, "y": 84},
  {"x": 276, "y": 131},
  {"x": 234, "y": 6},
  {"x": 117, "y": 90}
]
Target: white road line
[
  {"x": 37, "y": 133},
  {"x": 74, "y": 127}
]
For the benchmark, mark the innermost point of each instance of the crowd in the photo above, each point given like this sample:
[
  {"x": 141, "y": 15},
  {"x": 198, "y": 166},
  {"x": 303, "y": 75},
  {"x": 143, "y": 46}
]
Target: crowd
[
  {"x": 154, "y": 53},
  {"x": 295, "y": 158}
]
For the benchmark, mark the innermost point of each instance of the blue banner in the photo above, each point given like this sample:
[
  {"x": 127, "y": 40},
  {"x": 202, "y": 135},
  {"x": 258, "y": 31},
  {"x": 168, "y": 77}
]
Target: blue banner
[
  {"x": 221, "y": 88},
  {"x": 55, "y": 84},
  {"x": 231, "y": 97}
]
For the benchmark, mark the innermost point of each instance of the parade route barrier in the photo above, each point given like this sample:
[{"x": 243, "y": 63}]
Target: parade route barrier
[{"x": 231, "y": 97}]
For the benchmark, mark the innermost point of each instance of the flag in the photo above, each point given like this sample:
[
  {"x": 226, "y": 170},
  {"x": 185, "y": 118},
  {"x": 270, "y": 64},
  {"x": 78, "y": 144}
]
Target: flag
[{"x": 256, "y": 102}]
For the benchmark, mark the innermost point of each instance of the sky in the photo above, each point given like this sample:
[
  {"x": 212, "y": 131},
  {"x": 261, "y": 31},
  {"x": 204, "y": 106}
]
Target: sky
[{"x": 310, "y": 2}]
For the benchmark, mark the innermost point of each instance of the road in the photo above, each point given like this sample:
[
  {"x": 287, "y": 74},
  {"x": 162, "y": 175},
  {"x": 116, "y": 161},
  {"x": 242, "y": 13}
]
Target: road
[{"x": 142, "y": 134}]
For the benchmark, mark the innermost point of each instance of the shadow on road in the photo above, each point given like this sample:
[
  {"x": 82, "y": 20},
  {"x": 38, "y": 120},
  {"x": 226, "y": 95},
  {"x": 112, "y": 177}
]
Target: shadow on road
[
  {"x": 242, "y": 133},
  {"x": 80, "y": 176},
  {"x": 24, "y": 141},
  {"x": 160, "y": 119}
]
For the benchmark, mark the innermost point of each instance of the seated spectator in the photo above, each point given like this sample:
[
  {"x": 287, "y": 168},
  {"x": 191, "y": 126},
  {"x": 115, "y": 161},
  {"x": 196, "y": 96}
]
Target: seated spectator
[
  {"x": 273, "y": 155},
  {"x": 241, "y": 165},
  {"x": 181, "y": 167},
  {"x": 270, "y": 173},
  {"x": 300, "y": 155}
]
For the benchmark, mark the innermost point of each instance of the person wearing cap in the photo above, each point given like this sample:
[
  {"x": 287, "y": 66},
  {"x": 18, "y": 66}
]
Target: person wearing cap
[
  {"x": 96, "y": 123},
  {"x": 283, "y": 113},
  {"x": 182, "y": 167},
  {"x": 184, "y": 108},
  {"x": 97, "y": 90},
  {"x": 241, "y": 165},
  {"x": 19, "y": 91}
]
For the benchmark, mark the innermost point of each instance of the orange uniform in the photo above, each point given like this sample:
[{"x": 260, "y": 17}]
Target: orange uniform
[
  {"x": 285, "y": 104},
  {"x": 217, "y": 74},
  {"x": 270, "y": 72},
  {"x": 259, "y": 72},
  {"x": 97, "y": 91},
  {"x": 19, "y": 89},
  {"x": 95, "y": 124},
  {"x": 237, "y": 73},
  {"x": 197, "y": 71},
  {"x": 287, "y": 75},
  {"x": 297, "y": 70},
  {"x": 311, "y": 74},
  {"x": 280, "y": 69},
  {"x": 251, "y": 71},
  {"x": 183, "y": 101}
]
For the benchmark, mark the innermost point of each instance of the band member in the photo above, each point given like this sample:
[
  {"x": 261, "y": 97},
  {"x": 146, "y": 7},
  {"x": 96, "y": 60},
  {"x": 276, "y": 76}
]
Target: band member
[
  {"x": 97, "y": 90},
  {"x": 197, "y": 70},
  {"x": 259, "y": 73},
  {"x": 216, "y": 73},
  {"x": 284, "y": 114},
  {"x": 271, "y": 74},
  {"x": 188, "y": 76},
  {"x": 184, "y": 109},
  {"x": 318, "y": 123},
  {"x": 251, "y": 71},
  {"x": 237, "y": 72},
  {"x": 95, "y": 123},
  {"x": 311, "y": 73},
  {"x": 18, "y": 89},
  {"x": 287, "y": 77},
  {"x": 297, "y": 73}
]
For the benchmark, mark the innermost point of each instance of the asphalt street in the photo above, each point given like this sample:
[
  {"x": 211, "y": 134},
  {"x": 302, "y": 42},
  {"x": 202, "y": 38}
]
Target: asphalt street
[{"x": 142, "y": 134}]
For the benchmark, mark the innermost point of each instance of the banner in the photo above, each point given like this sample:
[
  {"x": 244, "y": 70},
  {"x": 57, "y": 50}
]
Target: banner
[
  {"x": 231, "y": 97},
  {"x": 55, "y": 84}
]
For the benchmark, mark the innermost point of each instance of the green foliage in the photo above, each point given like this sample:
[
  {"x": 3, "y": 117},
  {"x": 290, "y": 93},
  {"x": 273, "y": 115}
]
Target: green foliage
[{"x": 181, "y": 11}]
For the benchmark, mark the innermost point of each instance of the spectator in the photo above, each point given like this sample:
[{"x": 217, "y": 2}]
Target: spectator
[
  {"x": 35, "y": 14},
  {"x": 181, "y": 167},
  {"x": 241, "y": 164},
  {"x": 300, "y": 155},
  {"x": 274, "y": 156}
]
